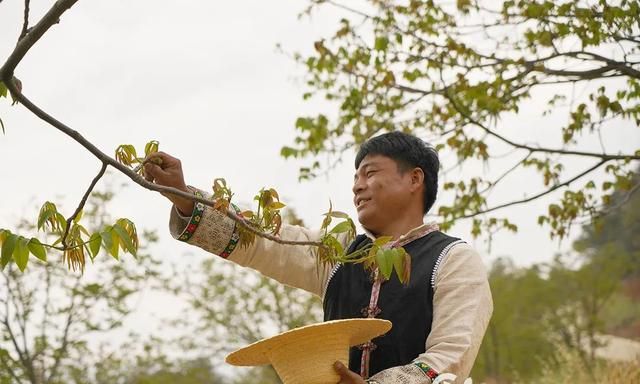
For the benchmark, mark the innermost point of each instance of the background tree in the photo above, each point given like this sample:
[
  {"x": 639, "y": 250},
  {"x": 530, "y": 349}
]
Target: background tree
[
  {"x": 148, "y": 361},
  {"x": 555, "y": 316},
  {"x": 516, "y": 331},
  {"x": 48, "y": 318},
  {"x": 459, "y": 73}
]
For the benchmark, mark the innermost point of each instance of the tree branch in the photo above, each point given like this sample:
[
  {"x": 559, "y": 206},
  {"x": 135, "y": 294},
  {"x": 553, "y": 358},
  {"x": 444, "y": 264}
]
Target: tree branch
[
  {"x": 21, "y": 319},
  {"x": 82, "y": 203},
  {"x": 25, "y": 25},
  {"x": 477, "y": 123},
  {"x": 505, "y": 174},
  {"x": 537, "y": 196},
  {"x": 6, "y": 75},
  {"x": 591, "y": 73},
  {"x": 76, "y": 136},
  {"x": 59, "y": 354},
  {"x": 12, "y": 337},
  {"x": 23, "y": 46},
  {"x": 45, "y": 319}
]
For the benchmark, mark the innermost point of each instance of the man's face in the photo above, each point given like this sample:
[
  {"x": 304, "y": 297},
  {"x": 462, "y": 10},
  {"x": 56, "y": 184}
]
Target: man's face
[{"x": 381, "y": 193}]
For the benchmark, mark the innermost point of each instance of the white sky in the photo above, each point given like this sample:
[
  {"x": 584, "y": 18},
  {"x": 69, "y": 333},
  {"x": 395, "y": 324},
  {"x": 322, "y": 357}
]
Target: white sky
[{"x": 204, "y": 79}]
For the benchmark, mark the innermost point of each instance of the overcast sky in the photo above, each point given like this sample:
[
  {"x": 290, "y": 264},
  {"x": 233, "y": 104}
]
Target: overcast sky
[{"x": 204, "y": 79}]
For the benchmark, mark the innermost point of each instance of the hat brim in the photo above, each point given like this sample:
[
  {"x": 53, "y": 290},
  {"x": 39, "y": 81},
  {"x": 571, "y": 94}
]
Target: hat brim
[{"x": 354, "y": 331}]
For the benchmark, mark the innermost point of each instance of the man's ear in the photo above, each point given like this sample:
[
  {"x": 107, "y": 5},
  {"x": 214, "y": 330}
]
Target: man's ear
[{"x": 417, "y": 179}]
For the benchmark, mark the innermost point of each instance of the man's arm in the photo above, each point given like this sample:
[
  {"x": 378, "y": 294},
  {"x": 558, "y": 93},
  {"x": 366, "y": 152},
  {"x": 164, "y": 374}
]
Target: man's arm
[
  {"x": 214, "y": 232},
  {"x": 462, "y": 307}
]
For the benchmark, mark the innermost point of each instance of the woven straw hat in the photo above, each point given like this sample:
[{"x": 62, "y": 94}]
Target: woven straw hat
[{"x": 306, "y": 355}]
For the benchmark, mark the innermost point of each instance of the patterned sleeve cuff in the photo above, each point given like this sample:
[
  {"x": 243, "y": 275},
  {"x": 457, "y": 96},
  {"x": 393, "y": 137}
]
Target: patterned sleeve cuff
[
  {"x": 415, "y": 373},
  {"x": 194, "y": 220},
  {"x": 207, "y": 228},
  {"x": 430, "y": 372}
]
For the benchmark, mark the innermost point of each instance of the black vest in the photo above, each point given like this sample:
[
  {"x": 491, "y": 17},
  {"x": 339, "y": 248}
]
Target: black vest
[{"x": 408, "y": 307}]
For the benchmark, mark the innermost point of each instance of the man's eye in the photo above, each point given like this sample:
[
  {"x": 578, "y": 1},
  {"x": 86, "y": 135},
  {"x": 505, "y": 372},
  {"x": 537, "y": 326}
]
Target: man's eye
[{"x": 369, "y": 173}]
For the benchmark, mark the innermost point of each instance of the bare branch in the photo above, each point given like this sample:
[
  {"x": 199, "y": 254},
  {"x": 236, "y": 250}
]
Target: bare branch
[
  {"x": 21, "y": 319},
  {"x": 603, "y": 210},
  {"x": 23, "y": 46},
  {"x": 59, "y": 353},
  {"x": 76, "y": 136},
  {"x": 25, "y": 25},
  {"x": 82, "y": 203},
  {"x": 505, "y": 174},
  {"x": 45, "y": 319},
  {"x": 539, "y": 195},
  {"x": 7, "y": 324},
  {"x": 592, "y": 73},
  {"x": 477, "y": 123}
]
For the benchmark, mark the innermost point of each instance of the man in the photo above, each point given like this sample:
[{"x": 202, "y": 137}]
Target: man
[{"x": 439, "y": 318}]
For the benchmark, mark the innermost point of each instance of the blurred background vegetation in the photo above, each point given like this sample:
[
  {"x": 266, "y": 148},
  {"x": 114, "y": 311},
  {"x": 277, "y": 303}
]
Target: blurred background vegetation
[{"x": 556, "y": 322}]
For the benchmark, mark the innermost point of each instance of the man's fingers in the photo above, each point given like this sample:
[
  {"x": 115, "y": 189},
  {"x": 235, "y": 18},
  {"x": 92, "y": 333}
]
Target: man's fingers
[
  {"x": 154, "y": 172},
  {"x": 166, "y": 160},
  {"x": 346, "y": 376},
  {"x": 340, "y": 368}
]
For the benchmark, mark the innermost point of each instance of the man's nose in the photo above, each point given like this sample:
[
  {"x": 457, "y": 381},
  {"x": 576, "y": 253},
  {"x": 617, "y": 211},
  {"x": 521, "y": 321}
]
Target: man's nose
[{"x": 358, "y": 186}]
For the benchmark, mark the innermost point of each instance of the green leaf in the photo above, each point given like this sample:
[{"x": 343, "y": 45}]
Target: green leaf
[
  {"x": 21, "y": 253},
  {"x": 125, "y": 238},
  {"x": 381, "y": 43},
  {"x": 62, "y": 222},
  {"x": 334, "y": 244},
  {"x": 94, "y": 244},
  {"x": 382, "y": 240},
  {"x": 276, "y": 205},
  {"x": 8, "y": 246},
  {"x": 3, "y": 90},
  {"x": 287, "y": 152},
  {"x": 94, "y": 289},
  {"x": 343, "y": 227},
  {"x": 398, "y": 262},
  {"x": 384, "y": 259},
  {"x": 402, "y": 264},
  {"x": 38, "y": 250},
  {"x": 44, "y": 216},
  {"x": 79, "y": 216},
  {"x": 151, "y": 147},
  {"x": 48, "y": 209},
  {"x": 339, "y": 215},
  {"x": 110, "y": 244}
]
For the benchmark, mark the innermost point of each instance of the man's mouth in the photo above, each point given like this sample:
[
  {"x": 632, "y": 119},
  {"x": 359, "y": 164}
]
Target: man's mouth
[{"x": 360, "y": 202}]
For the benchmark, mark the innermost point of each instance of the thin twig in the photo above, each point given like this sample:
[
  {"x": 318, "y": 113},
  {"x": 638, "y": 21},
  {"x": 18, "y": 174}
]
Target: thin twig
[
  {"x": 59, "y": 354},
  {"x": 25, "y": 25},
  {"x": 45, "y": 319},
  {"x": 12, "y": 337},
  {"x": 539, "y": 195},
  {"x": 530, "y": 148},
  {"x": 505, "y": 174},
  {"x": 82, "y": 203},
  {"x": 24, "y": 45}
]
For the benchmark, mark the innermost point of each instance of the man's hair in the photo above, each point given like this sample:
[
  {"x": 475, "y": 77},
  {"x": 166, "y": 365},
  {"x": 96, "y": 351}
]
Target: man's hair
[{"x": 408, "y": 152}]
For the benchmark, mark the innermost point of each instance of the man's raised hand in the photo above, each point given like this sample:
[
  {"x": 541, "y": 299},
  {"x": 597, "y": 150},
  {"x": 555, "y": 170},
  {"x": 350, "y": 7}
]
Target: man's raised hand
[{"x": 166, "y": 170}]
